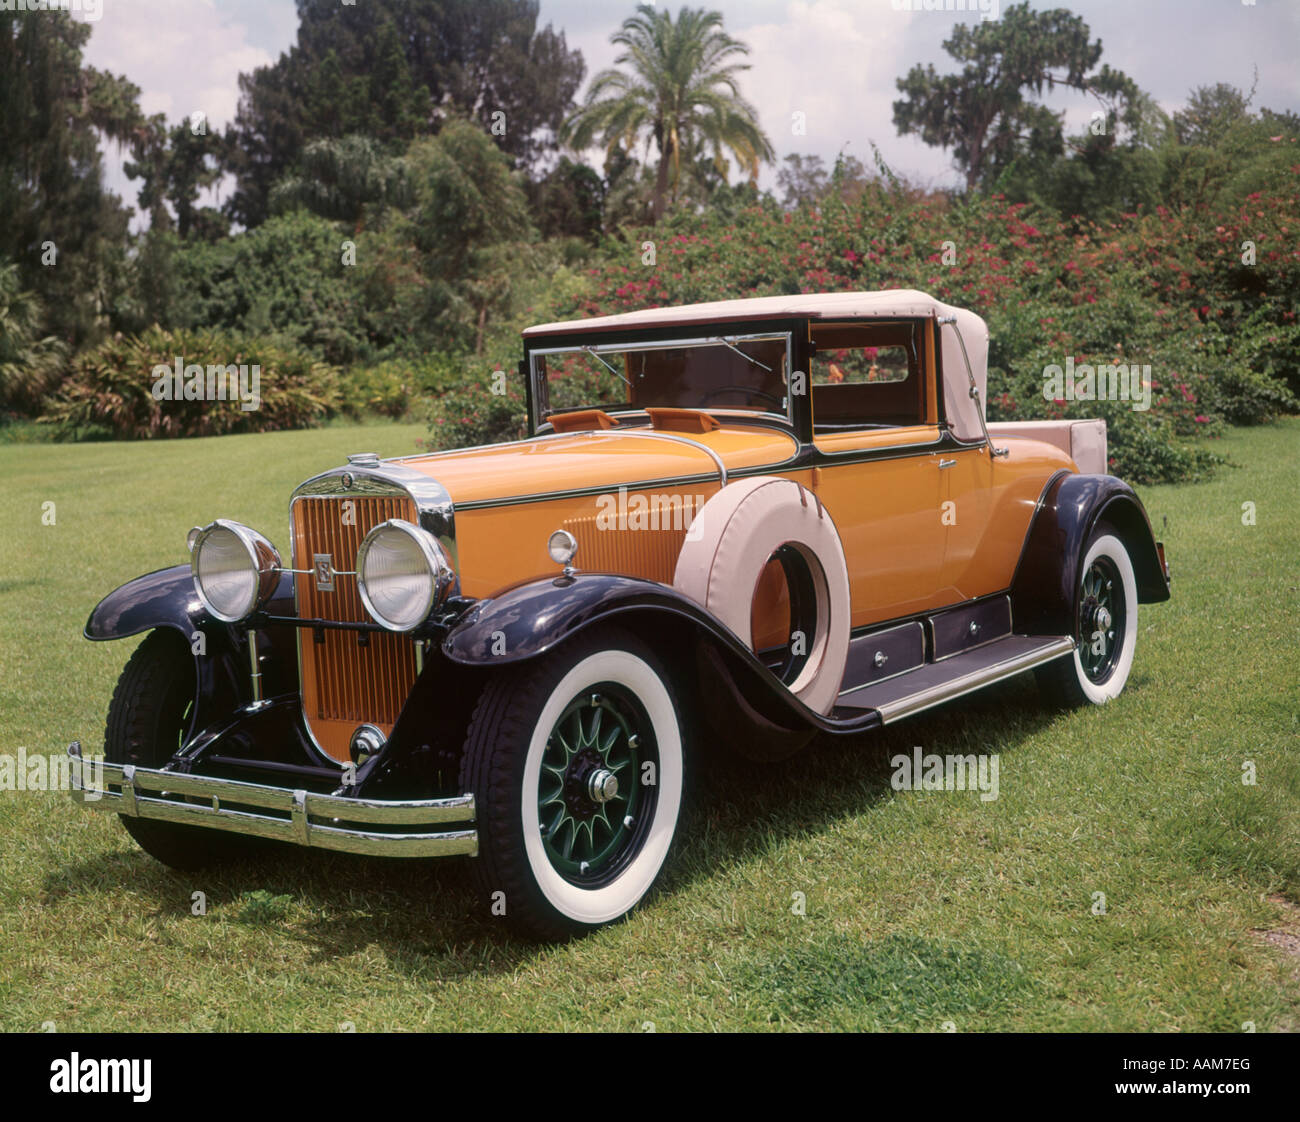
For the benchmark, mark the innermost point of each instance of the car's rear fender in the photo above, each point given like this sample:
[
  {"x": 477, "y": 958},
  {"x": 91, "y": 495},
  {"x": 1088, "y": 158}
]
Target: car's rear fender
[{"x": 1071, "y": 506}]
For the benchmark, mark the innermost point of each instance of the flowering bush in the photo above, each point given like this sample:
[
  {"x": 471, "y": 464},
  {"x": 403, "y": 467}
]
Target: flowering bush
[{"x": 1208, "y": 299}]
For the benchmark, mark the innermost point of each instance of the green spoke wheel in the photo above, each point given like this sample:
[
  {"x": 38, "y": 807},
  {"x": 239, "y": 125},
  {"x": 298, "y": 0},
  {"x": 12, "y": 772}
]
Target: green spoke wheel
[
  {"x": 1105, "y": 627},
  {"x": 576, "y": 764},
  {"x": 590, "y": 803}
]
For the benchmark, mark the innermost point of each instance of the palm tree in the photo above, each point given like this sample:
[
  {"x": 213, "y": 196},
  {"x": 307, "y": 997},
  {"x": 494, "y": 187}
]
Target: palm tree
[{"x": 680, "y": 88}]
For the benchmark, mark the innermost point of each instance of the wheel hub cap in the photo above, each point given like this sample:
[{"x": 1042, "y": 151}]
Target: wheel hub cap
[{"x": 602, "y": 785}]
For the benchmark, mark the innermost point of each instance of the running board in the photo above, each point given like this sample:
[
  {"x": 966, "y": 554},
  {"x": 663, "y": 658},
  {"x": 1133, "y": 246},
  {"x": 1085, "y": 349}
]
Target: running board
[{"x": 937, "y": 682}]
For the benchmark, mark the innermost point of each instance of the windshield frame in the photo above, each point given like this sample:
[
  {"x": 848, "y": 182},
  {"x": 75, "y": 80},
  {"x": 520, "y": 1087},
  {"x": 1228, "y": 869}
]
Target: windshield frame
[{"x": 539, "y": 388}]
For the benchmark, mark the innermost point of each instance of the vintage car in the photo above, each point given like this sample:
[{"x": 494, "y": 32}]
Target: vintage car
[{"x": 745, "y": 523}]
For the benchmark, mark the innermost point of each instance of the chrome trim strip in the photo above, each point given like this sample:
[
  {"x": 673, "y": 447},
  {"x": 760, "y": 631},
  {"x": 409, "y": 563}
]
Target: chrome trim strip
[
  {"x": 297, "y": 816},
  {"x": 977, "y": 679}
]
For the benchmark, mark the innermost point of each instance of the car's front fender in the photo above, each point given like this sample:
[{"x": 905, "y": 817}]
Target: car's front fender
[
  {"x": 530, "y": 619},
  {"x": 167, "y": 599}
]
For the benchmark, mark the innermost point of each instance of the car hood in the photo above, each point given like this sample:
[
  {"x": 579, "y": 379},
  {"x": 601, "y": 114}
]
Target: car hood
[{"x": 599, "y": 459}]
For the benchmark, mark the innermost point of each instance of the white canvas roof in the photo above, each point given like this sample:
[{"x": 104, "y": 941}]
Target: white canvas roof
[{"x": 958, "y": 405}]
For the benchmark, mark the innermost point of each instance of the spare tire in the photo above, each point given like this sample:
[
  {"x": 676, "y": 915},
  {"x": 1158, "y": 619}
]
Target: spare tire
[{"x": 730, "y": 543}]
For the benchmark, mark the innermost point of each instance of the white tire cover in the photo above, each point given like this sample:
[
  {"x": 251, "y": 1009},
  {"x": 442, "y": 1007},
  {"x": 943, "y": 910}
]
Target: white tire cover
[{"x": 730, "y": 543}]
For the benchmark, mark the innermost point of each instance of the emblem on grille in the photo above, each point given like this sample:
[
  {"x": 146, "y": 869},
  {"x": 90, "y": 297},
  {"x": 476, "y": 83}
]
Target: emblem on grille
[{"x": 323, "y": 564}]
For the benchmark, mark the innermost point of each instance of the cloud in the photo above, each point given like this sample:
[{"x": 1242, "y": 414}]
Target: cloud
[
  {"x": 835, "y": 63},
  {"x": 185, "y": 57}
]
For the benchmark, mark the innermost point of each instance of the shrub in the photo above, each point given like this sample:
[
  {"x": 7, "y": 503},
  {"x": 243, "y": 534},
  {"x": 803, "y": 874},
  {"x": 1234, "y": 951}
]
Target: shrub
[
  {"x": 473, "y": 414},
  {"x": 393, "y": 386},
  {"x": 109, "y": 392}
]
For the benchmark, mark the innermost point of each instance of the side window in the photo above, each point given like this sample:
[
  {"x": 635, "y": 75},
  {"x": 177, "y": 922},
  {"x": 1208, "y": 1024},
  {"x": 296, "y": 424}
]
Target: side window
[{"x": 866, "y": 376}]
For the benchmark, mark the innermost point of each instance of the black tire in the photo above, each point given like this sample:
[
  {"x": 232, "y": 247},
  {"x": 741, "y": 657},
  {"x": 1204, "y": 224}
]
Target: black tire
[
  {"x": 148, "y": 719},
  {"x": 533, "y": 788},
  {"x": 1097, "y": 670}
]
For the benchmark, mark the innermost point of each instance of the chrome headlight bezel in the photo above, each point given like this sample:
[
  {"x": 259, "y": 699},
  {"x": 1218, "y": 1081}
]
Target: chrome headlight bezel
[
  {"x": 263, "y": 562},
  {"x": 440, "y": 575}
]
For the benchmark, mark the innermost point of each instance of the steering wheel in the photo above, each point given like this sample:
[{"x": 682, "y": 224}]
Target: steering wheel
[{"x": 776, "y": 401}]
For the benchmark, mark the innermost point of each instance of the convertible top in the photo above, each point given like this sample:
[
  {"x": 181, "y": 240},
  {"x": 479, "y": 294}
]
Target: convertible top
[{"x": 886, "y": 304}]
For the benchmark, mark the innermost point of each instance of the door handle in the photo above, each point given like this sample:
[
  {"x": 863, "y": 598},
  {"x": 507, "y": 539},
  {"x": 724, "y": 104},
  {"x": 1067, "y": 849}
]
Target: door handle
[{"x": 946, "y": 463}]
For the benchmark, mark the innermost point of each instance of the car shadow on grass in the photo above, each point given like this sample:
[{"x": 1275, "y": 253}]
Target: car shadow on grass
[{"x": 425, "y": 916}]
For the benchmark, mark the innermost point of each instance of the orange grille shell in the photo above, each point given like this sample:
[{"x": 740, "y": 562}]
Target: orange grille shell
[{"x": 346, "y": 683}]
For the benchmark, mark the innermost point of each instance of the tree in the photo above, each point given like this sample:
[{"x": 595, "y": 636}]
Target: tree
[
  {"x": 802, "y": 181},
  {"x": 680, "y": 90},
  {"x": 340, "y": 178},
  {"x": 174, "y": 165},
  {"x": 472, "y": 225},
  {"x": 393, "y": 70},
  {"x": 29, "y": 362},
  {"x": 985, "y": 113},
  {"x": 1210, "y": 113},
  {"x": 569, "y": 202},
  {"x": 63, "y": 230}
]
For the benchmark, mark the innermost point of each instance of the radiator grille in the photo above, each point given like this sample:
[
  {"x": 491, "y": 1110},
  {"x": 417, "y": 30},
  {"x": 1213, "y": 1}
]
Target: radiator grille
[
  {"x": 637, "y": 543},
  {"x": 350, "y": 677}
]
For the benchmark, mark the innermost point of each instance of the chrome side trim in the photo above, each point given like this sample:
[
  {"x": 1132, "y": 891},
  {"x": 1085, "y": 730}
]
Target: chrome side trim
[
  {"x": 977, "y": 679},
  {"x": 295, "y": 816}
]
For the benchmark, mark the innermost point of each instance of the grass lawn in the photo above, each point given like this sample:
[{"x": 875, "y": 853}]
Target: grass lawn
[{"x": 921, "y": 908}]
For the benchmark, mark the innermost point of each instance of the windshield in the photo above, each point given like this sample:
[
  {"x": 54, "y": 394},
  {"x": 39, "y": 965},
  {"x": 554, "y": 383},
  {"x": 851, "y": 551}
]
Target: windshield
[{"x": 723, "y": 373}]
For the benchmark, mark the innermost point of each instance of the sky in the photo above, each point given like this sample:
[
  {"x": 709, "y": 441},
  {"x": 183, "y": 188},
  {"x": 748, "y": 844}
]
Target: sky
[{"x": 833, "y": 61}]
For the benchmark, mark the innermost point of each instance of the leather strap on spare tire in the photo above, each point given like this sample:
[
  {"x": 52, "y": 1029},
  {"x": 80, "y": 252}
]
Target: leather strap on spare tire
[{"x": 731, "y": 542}]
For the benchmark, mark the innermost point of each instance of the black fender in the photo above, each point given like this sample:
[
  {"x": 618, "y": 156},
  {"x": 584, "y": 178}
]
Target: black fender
[
  {"x": 166, "y": 599},
  {"x": 533, "y": 618},
  {"x": 1042, "y": 590}
]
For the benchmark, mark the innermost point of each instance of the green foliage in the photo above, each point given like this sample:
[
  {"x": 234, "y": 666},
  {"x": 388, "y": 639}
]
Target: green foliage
[
  {"x": 471, "y": 224},
  {"x": 473, "y": 413},
  {"x": 390, "y": 70},
  {"x": 174, "y": 165},
  {"x": 63, "y": 230},
  {"x": 285, "y": 279},
  {"x": 390, "y": 388},
  {"x": 339, "y": 178},
  {"x": 29, "y": 362},
  {"x": 110, "y": 390}
]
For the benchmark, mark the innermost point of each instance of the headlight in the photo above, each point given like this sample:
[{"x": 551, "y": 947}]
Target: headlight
[
  {"x": 235, "y": 569},
  {"x": 402, "y": 574}
]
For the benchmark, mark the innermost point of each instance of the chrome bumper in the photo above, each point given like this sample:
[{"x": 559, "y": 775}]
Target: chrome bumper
[{"x": 278, "y": 813}]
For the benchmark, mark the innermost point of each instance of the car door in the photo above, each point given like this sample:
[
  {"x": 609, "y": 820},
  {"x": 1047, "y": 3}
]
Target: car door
[{"x": 874, "y": 431}]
